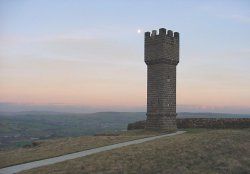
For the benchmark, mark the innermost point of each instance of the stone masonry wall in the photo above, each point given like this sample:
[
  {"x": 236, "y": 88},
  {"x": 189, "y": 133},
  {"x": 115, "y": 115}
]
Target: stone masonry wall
[
  {"x": 161, "y": 95},
  {"x": 202, "y": 123},
  {"x": 213, "y": 123}
]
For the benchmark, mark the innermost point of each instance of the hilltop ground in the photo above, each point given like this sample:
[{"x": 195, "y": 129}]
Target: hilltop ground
[
  {"x": 43, "y": 149},
  {"x": 197, "y": 151}
]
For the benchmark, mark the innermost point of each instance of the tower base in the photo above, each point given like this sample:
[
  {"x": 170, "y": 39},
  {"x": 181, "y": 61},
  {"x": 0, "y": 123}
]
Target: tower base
[{"x": 161, "y": 122}]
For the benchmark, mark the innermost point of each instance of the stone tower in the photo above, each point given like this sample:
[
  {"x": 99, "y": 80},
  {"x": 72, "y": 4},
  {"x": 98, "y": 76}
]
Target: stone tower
[{"x": 161, "y": 54}]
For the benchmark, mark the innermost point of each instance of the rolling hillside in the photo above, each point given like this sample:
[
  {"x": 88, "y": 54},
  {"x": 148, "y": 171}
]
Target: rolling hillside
[{"x": 21, "y": 128}]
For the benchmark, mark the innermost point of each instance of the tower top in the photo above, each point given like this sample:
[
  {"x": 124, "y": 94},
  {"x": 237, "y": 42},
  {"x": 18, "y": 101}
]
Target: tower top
[{"x": 162, "y": 47}]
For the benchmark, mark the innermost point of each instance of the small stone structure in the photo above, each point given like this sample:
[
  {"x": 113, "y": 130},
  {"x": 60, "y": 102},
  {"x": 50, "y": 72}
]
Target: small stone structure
[
  {"x": 201, "y": 123},
  {"x": 161, "y": 56}
]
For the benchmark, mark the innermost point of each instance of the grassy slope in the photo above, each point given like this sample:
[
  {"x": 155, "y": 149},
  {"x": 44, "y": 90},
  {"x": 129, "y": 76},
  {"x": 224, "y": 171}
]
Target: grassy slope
[
  {"x": 57, "y": 147},
  {"x": 198, "y": 151}
]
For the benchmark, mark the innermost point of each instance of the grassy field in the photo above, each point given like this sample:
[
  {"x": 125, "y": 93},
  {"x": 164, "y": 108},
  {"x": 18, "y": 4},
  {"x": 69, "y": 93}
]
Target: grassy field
[
  {"x": 57, "y": 147},
  {"x": 198, "y": 151}
]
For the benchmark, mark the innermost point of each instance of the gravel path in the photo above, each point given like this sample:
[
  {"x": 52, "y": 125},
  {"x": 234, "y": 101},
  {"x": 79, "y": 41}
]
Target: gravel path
[{"x": 30, "y": 165}]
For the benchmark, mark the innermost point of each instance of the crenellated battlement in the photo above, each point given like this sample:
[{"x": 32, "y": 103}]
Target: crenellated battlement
[
  {"x": 162, "y": 47},
  {"x": 162, "y": 32}
]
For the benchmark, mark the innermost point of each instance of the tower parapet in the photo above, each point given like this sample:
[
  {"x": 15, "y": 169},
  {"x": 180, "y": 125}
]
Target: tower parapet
[{"x": 162, "y": 47}]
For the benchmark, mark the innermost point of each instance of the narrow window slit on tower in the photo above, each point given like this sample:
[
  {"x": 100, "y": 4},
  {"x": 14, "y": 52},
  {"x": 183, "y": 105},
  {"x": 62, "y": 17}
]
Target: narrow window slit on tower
[{"x": 168, "y": 79}]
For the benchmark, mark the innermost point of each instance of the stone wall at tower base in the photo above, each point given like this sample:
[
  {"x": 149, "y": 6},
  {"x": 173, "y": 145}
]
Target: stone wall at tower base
[
  {"x": 213, "y": 123},
  {"x": 162, "y": 123},
  {"x": 137, "y": 125},
  {"x": 202, "y": 123}
]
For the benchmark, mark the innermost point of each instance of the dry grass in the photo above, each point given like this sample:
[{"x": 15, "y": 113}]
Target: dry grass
[
  {"x": 198, "y": 151},
  {"x": 57, "y": 147}
]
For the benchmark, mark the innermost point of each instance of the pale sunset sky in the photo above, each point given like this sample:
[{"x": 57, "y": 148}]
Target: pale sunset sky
[{"x": 89, "y": 53}]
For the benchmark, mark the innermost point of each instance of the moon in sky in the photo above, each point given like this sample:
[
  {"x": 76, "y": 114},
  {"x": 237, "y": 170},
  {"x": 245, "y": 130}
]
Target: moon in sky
[{"x": 139, "y": 31}]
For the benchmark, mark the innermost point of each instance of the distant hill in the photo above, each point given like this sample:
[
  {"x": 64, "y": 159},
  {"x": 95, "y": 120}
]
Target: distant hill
[
  {"x": 20, "y": 128},
  {"x": 211, "y": 115}
]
